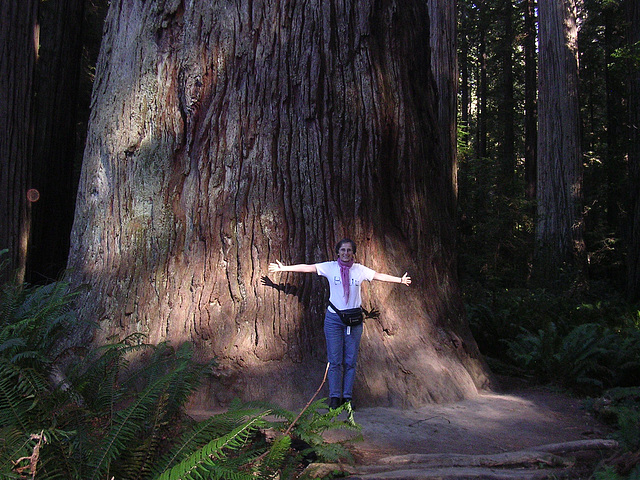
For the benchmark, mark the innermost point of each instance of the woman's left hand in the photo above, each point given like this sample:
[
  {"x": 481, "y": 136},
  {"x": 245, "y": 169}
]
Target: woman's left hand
[
  {"x": 406, "y": 279},
  {"x": 276, "y": 267}
]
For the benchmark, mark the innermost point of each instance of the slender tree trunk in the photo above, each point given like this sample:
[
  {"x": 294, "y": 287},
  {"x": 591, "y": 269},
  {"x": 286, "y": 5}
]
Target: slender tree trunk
[
  {"x": 55, "y": 119},
  {"x": 18, "y": 54},
  {"x": 633, "y": 253},
  {"x": 559, "y": 242},
  {"x": 507, "y": 100},
  {"x": 482, "y": 87},
  {"x": 465, "y": 94},
  {"x": 614, "y": 160},
  {"x": 444, "y": 65},
  {"x": 530, "y": 101},
  {"x": 226, "y": 135}
]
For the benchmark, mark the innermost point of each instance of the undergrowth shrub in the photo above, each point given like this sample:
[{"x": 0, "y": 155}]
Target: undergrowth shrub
[
  {"x": 620, "y": 408},
  {"x": 577, "y": 343}
]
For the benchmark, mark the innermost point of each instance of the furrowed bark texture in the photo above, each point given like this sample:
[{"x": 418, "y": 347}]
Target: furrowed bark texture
[
  {"x": 18, "y": 50},
  {"x": 559, "y": 227},
  {"x": 226, "y": 135}
]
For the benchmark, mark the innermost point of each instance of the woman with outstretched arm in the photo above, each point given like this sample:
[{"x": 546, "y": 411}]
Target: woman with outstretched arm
[{"x": 345, "y": 278}]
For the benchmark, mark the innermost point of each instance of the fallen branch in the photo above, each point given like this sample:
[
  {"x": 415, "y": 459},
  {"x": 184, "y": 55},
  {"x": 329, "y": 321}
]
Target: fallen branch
[
  {"x": 543, "y": 454},
  {"x": 466, "y": 473},
  {"x": 578, "y": 446},
  {"x": 508, "y": 459}
]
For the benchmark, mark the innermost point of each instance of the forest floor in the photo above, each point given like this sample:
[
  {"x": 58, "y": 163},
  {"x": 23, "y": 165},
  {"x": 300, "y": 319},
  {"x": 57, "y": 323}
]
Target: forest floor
[{"x": 523, "y": 433}]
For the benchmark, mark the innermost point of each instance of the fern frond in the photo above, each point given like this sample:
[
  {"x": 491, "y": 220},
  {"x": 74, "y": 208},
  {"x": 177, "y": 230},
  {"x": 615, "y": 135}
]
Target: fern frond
[
  {"x": 138, "y": 461},
  {"x": 14, "y": 444},
  {"x": 202, "y": 433},
  {"x": 204, "y": 459},
  {"x": 332, "y": 452},
  {"x": 18, "y": 393},
  {"x": 276, "y": 457},
  {"x": 126, "y": 425},
  {"x": 275, "y": 410}
]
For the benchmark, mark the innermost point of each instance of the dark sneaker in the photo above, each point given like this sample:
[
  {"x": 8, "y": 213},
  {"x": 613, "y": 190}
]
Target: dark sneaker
[
  {"x": 334, "y": 402},
  {"x": 349, "y": 401}
]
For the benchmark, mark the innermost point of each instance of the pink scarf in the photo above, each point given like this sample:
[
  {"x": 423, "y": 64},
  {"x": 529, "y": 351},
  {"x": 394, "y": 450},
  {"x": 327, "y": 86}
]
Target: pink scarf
[{"x": 344, "y": 276}]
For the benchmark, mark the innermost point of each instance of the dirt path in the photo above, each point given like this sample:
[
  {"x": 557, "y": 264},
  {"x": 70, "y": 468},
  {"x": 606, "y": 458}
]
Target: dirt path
[{"x": 490, "y": 424}]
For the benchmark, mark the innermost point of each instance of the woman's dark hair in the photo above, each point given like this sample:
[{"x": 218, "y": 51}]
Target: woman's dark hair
[{"x": 342, "y": 242}]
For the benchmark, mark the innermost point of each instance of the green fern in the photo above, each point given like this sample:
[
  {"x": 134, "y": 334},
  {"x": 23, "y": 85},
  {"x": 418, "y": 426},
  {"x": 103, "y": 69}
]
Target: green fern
[
  {"x": 202, "y": 432},
  {"x": 105, "y": 415},
  {"x": 276, "y": 457},
  {"x": 14, "y": 444},
  {"x": 203, "y": 460},
  {"x": 128, "y": 422}
]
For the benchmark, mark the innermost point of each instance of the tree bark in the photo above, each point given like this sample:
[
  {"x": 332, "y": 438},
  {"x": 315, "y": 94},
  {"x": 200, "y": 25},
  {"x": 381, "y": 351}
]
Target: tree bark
[
  {"x": 507, "y": 102},
  {"x": 444, "y": 65},
  {"x": 465, "y": 90},
  {"x": 530, "y": 100},
  {"x": 226, "y": 135},
  {"x": 633, "y": 251},
  {"x": 18, "y": 54},
  {"x": 559, "y": 243},
  {"x": 481, "y": 149},
  {"x": 55, "y": 118}
]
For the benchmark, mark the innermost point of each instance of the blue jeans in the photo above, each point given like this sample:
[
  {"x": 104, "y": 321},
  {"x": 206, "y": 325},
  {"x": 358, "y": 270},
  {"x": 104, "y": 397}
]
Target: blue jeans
[{"x": 342, "y": 354}]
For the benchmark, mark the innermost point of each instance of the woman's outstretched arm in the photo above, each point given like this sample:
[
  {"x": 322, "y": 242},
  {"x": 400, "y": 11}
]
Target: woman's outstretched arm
[
  {"x": 383, "y": 277},
  {"x": 302, "y": 267}
]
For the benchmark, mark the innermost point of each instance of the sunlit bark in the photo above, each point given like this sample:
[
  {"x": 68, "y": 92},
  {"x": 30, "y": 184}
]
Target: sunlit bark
[{"x": 226, "y": 135}]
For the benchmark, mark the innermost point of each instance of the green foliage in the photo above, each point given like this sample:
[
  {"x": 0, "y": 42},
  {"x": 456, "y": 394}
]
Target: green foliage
[
  {"x": 620, "y": 407},
  {"x": 574, "y": 360},
  {"x": 118, "y": 410},
  {"x": 495, "y": 226},
  {"x": 586, "y": 346}
]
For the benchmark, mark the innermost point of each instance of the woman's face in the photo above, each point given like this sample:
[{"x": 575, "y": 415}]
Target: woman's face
[{"x": 345, "y": 252}]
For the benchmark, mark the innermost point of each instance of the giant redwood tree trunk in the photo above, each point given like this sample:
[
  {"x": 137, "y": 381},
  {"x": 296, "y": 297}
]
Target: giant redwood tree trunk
[{"x": 225, "y": 135}]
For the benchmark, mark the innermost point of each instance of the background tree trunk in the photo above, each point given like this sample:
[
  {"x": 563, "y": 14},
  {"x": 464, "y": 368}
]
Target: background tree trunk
[
  {"x": 444, "y": 65},
  {"x": 507, "y": 102},
  {"x": 464, "y": 60},
  {"x": 55, "y": 118},
  {"x": 530, "y": 100},
  {"x": 481, "y": 138},
  {"x": 559, "y": 242},
  {"x": 226, "y": 135},
  {"x": 633, "y": 252},
  {"x": 18, "y": 53}
]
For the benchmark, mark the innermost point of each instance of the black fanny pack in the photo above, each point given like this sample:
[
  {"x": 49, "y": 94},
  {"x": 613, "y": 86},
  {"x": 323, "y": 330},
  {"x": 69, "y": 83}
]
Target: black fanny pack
[{"x": 350, "y": 317}]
